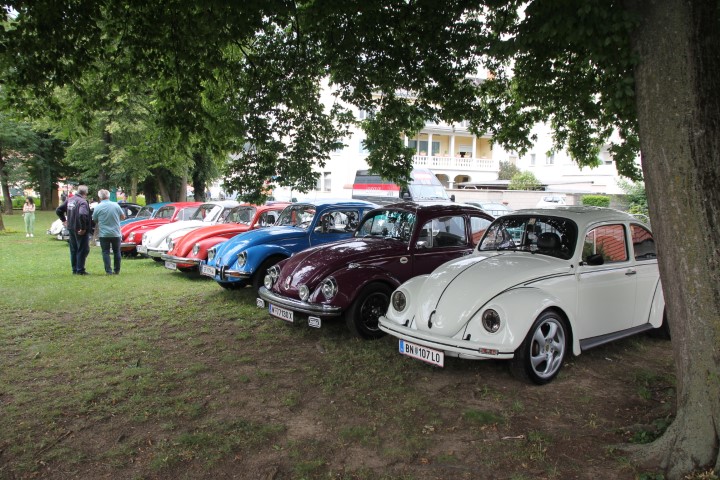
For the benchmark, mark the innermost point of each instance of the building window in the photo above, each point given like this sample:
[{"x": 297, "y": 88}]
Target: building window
[
  {"x": 364, "y": 115},
  {"x": 324, "y": 183},
  {"x": 361, "y": 147},
  {"x": 532, "y": 159},
  {"x": 424, "y": 146},
  {"x": 550, "y": 159}
]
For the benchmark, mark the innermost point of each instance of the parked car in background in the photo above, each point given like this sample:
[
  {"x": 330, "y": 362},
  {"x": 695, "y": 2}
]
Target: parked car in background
[
  {"x": 130, "y": 209},
  {"x": 186, "y": 253},
  {"x": 146, "y": 212},
  {"x": 132, "y": 233},
  {"x": 156, "y": 241},
  {"x": 245, "y": 258},
  {"x": 355, "y": 277},
  {"x": 493, "y": 208},
  {"x": 552, "y": 201},
  {"x": 575, "y": 278},
  {"x": 423, "y": 185}
]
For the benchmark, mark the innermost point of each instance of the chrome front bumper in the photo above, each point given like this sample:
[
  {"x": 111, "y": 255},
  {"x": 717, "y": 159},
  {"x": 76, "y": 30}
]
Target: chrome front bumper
[
  {"x": 180, "y": 260},
  {"x": 299, "y": 305}
]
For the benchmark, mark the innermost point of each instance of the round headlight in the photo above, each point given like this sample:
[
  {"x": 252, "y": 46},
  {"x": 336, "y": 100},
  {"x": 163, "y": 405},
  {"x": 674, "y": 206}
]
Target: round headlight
[
  {"x": 242, "y": 259},
  {"x": 268, "y": 282},
  {"x": 144, "y": 238},
  {"x": 399, "y": 302},
  {"x": 170, "y": 244},
  {"x": 211, "y": 254},
  {"x": 329, "y": 288},
  {"x": 491, "y": 320},
  {"x": 131, "y": 237},
  {"x": 304, "y": 292},
  {"x": 196, "y": 249}
]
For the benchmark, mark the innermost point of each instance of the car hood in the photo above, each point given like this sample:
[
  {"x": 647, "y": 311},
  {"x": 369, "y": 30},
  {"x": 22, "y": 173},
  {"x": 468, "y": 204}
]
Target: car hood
[
  {"x": 311, "y": 266},
  {"x": 457, "y": 290},
  {"x": 221, "y": 230},
  {"x": 156, "y": 236},
  {"x": 144, "y": 224},
  {"x": 243, "y": 241}
]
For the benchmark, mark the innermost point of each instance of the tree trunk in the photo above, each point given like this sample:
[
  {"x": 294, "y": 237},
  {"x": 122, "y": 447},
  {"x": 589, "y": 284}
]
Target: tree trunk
[
  {"x": 678, "y": 98},
  {"x": 4, "y": 183}
]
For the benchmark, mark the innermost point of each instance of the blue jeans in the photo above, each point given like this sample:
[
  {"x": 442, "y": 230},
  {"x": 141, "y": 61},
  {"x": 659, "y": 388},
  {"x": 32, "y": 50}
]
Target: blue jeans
[
  {"x": 105, "y": 244},
  {"x": 79, "y": 250}
]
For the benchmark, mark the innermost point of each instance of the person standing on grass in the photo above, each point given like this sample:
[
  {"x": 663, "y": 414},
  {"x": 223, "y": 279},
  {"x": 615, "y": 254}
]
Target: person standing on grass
[
  {"x": 29, "y": 214},
  {"x": 75, "y": 215},
  {"x": 107, "y": 216}
]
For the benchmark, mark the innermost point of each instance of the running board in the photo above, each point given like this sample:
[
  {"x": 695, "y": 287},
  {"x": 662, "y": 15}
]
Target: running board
[{"x": 589, "y": 343}]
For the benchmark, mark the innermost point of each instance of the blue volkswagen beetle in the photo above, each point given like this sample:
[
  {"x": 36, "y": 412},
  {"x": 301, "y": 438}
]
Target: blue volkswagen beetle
[{"x": 245, "y": 258}]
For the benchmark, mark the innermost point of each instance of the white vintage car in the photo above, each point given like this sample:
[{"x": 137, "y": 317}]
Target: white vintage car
[
  {"x": 160, "y": 240},
  {"x": 541, "y": 283}
]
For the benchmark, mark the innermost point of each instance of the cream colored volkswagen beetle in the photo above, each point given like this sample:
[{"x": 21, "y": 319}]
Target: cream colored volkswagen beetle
[{"x": 541, "y": 283}]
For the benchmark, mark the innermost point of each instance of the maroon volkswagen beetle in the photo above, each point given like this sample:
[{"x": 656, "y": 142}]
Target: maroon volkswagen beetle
[{"x": 355, "y": 277}]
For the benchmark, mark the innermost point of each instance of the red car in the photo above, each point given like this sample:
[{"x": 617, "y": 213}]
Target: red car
[
  {"x": 190, "y": 249},
  {"x": 132, "y": 233}
]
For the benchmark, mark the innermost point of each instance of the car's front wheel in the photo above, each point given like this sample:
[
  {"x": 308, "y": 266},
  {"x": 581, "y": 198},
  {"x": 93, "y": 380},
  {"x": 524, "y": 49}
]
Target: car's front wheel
[
  {"x": 232, "y": 285},
  {"x": 362, "y": 317},
  {"x": 541, "y": 354}
]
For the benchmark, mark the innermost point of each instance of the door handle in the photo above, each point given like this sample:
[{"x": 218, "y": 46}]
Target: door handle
[{"x": 630, "y": 272}]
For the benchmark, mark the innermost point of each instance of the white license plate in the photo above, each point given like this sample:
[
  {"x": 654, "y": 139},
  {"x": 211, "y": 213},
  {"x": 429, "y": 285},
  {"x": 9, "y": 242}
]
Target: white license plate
[
  {"x": 207, "y": 270},
  {"x": 260, "y": 302},
  {"x": 170, "y": 265},
  {"x": 281, "y": 313},
  {"x": 141, "y": 248},
  {"x": 314, "y": 322},
  {"x": 434, "y": 357}
]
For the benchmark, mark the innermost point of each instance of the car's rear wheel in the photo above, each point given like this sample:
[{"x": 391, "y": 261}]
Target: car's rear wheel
[
  {"x": 541, "y": 354},
  {"x": 362, "y": 316}
]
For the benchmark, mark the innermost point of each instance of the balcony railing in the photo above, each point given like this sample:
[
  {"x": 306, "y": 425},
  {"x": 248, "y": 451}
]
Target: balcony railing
[{"x": 469, "y": 164}]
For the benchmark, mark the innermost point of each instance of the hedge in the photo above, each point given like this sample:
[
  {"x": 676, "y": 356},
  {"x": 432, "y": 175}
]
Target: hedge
[{"x": 596, "y": 200}]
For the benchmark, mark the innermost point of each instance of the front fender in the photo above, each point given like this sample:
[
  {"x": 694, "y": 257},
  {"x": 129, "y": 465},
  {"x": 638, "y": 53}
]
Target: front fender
[
  {"x": 518, "y": 309},
  {"x": 351, "y": 280},
  {"x": 257, "y": 254}
]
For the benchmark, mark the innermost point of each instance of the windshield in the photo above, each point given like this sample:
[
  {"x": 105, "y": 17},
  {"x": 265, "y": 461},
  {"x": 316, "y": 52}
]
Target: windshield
[
  {"x": 145, "y": 212},
  {"x": 427, "y": 192},
  {"x": 297, "y": 216},
  {"x": 206, "y": 213},
  {"x": 395, "y": 224},
  {"x": 242, "y": 215},
  {"x": 552, "y": 236}
]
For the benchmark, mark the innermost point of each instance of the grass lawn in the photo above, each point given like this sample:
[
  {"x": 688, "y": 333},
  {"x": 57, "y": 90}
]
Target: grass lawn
[{"x": 158, "y": 374}]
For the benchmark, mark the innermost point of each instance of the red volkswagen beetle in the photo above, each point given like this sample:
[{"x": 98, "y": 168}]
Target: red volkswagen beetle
[
  {"x": 190, "y": 249},
  {"x": 132, "y": 233}
]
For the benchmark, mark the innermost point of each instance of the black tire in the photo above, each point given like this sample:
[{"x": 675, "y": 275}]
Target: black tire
[
  {"x": 232, "y": 285},
  {"x": 130, "y": 254},
  {"x": 362, "y": 316},
  {"x": 663, "y": 331},
  {"x": 258, "y": 279},
  {"x": 540, "y": 356},
  {"x": 157, "y": 259}
]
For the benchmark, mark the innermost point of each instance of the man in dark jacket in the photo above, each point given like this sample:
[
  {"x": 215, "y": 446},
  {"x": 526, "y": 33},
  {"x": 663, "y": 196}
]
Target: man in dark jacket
[{"x": 75, "y": 215}]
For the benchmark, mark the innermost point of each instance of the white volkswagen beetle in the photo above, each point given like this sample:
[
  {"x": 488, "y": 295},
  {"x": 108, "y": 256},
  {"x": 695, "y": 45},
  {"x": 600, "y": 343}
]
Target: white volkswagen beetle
[
  {"x": 160, "y": 240},
  {"x": 541, "y": 283}
]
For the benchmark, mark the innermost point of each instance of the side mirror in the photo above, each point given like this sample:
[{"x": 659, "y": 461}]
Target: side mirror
[
  {"x": 452, "y": 198},
  {"x": 422, "y": 244},
  {"x": 595, "y": 260}
]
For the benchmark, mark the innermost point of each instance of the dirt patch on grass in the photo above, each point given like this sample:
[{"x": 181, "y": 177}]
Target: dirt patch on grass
[{"x": 240, "y": 395}]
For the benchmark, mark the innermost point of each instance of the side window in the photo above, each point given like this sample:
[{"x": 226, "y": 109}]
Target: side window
[
  {"x": 165, "y": 212},
  {"x": 337, "y": 222},
  {"x": 608, "y": 241},
  {"x": 442, "y": 232},
  {"x": 478, "y": 225},
  {"x": 643, "y": 243}
]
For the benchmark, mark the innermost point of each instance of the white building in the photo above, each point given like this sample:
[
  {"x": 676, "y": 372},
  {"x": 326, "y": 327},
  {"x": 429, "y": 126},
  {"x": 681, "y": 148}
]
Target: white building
[{"x": 457, "y": 156}]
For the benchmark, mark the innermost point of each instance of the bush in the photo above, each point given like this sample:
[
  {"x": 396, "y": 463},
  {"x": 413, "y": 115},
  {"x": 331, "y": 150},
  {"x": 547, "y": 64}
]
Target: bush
[
  {"x": 596, "y": 200},
  {"x": 524, "y": 181}
]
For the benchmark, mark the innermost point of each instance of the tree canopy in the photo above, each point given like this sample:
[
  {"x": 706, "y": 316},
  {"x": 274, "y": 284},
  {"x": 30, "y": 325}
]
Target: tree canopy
[{"x": 245, "y": 78}]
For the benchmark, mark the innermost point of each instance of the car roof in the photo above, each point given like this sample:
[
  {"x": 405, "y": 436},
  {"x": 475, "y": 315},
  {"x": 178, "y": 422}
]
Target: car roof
[
  {"x": 431, "y": 206},
  {"x": 335, "y": 202},
  {"x": 580, "y": 214},
  {"x": 223, "y": 203}
]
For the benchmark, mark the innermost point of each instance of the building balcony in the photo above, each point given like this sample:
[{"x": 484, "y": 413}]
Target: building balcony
[{"x": 455, "y": 164}]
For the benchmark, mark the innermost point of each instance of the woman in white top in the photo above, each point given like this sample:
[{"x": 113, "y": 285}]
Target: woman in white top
[{"x": 29, "y": 214}]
